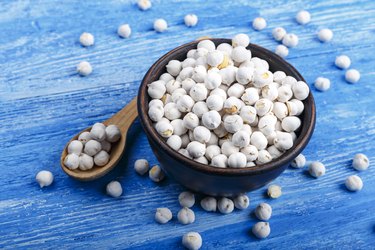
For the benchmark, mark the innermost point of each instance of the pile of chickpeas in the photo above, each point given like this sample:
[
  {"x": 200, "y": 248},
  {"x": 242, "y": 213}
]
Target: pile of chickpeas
[{"x": 223, "y": 107}]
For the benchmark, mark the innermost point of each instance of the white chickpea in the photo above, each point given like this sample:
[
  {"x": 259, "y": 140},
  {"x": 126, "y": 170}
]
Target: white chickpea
[
  {"x": 75, "y": 147},
  {"x": 244, "y": 75},
  {"x": 219, "y": 161},
  {"x": 171, "y": 111},
  {"x": 360, "y": 162},
  {"x": 270, "y": 92},
  {"x": 174, "y": 142},
  {"x": 196, "y": 149},
  {"x": 228, "y": 75},
  {"x": 92, "y": 147},
  {"x": 211, "y": 119},
  {"x": 156, "y": 174},
  {"x": 251, "y": 96},
  {"x": 237, "y": 160},
  {"x": 278, "y": 33},
  {"x": 86, "y": 162},
  {"x": 124, "y": 31},
  {"x": 263, "y": 157},
  {"x": 190, "y": 121},
  {"x": 200, "y": 108},
  {"x": 280, "y": 110},
  {"x": 164, "y": 128},
  {"x": 261, "y": 230},
  {"x": 292, "y": 107},
  {"x": 198, "y": 92},
  {"x": 236, "y": 90},
  {"x": 262, "y": 78},
  {"x": 209, "y": 204},
  {"x": 206, "y": 44},
  {"x": 214, "y": 58},
  {"x": 112, "y": 133},
  {"x": 188, "y": 62},
  {"x": 86, "y": 39},
  {"x": 281, "y": 50},
  {"x": 285, "y": 93},
  {"x": 303, "y": 17},
  {"x": 84, "y": 68},
  {"x": 186, "y": 73},
  {"x": 263, "y": 106},
  {"x": 322, "y": 84},
  {"x": 259, "y": 23},
  {"x": 317, "y": 169},
  {"x": 283, "y": 141},
  {"x": 267, "y": 124},
  {"x": 185, "y": 103},
  {"x": 144, "y": 4},
  {"x": 199, "y": 73},
  {"x": 225, "y": 205},
  {"x": 232, "y": 105},
  {"x": 141, "y": 166},
  {"x": 187, "y": 84},
  {"x": 274, "y": 152},
  {"x": 291, "y": 123},
  {"x": 178, "y": 127},
  {"x": 342, "y": 62},
  {"x": 160, "y": 25},
  {"x": 97, "y": 131},
  {"x": 215, "y": 102},
  {"x": 101, "y": 158},
  {"x": 84, "y": 137},
  {"x": 263, "y": 211},
  {"x": 212, "y": 80},
  {"x": 241, "y": 138},
  {"x": 240, "y": 54},
  {"x": 212, "y": 151},
  {"x": 258, "y": 140},
  {"x": 233, "y": 123},
  {"x": 202, "y": 134},
  {"x": 299, "y": 105},
  {"x": 156, "y": 89},
  {"x": 290, "y": 40},
  {"x": 174, "y": 67},
  {"x": 156, "y": 113},
  {"x": 251, "y": 153},
  {"x": 241, "y": 40},
  {"x": 166, "y": 77},
  {"x": 185, "y": 153},
  {"x": 241, "y": 201},
  {"x": 191, "y": 20},
  {"x": 228, "y": 148},
  {"x": 278, "y": 76},
  {"x": 184, "y": 140},
  {"x": 354, "y": 183},
  {"x": 325, "y": 35},
  {"x": 299, "y": 161},
  {"x": 274, "y": 191},
  {"x": 352, "y": 76},
  {"x": 202, "y": 160},
  {"x": 71, "y": 161},
  {"x": 44, "y": 178}
]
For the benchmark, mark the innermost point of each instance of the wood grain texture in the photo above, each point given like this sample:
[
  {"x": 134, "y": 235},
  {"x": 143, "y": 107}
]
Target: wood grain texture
[{"x": 43, "y": 103}]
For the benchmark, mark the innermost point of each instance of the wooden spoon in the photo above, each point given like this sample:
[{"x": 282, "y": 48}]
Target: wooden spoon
[{"x": 123, "y": 119}]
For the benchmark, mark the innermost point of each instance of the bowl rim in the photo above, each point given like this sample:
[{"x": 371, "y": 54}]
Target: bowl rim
[{"x": 306, "y": 131}]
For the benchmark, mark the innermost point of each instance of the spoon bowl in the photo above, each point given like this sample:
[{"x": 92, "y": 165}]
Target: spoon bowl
[{"x": 123, "y": 119}]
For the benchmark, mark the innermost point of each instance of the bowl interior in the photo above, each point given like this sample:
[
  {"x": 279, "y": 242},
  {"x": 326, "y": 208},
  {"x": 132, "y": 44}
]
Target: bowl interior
[{"x": 276, "y": 63}]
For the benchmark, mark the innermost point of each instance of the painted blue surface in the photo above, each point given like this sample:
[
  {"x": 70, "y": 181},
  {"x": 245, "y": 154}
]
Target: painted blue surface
[{"x": 43, "y": 102}]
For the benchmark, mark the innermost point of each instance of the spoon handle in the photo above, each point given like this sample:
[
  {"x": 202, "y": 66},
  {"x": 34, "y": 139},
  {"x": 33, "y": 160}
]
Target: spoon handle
[{"x": 125, "y": 117}]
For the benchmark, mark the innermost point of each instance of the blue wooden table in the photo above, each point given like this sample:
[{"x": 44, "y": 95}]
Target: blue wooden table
[{"x": 43, "y": 102}]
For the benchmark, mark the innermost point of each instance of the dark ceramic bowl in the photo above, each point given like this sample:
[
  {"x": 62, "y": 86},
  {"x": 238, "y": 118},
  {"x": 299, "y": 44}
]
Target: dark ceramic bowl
[{"x": 221, "y": 181}]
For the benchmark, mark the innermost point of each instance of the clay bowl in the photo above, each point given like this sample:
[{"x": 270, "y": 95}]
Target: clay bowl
[{"x": 221, "y": 181}]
